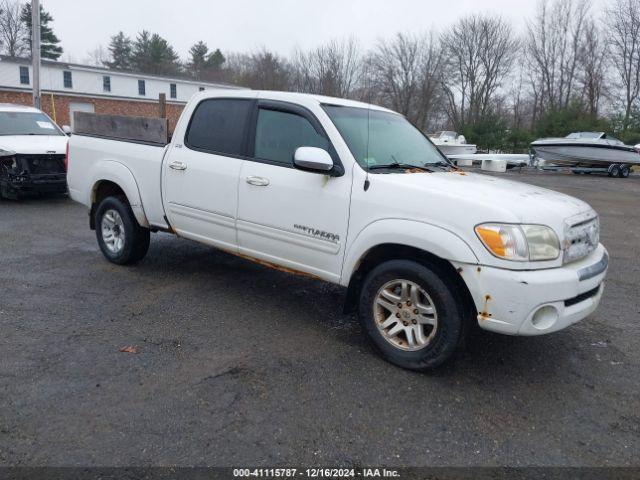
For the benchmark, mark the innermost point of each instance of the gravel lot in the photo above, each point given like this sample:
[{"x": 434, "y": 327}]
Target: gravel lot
[{"x": 242, "y": 365}]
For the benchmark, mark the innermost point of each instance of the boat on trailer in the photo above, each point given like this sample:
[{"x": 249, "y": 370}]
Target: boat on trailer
[
  {"x": 587, "y": 151},
  {"x": 450, "y": 143}
]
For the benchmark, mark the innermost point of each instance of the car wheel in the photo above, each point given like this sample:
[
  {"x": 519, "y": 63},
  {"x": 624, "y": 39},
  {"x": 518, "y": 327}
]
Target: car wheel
[
  {"x": 122, "y": 240},
  {"x": 411, "y": 314}
]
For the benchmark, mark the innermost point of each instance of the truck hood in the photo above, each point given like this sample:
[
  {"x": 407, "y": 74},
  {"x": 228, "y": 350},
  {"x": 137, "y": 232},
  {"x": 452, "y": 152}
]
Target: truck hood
[
  {"x": 479, "y": 198},
  {"x": 34, "y": 144}
]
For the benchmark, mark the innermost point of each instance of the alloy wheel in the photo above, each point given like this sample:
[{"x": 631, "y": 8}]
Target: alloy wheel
[{"x": 405, "y": 315}]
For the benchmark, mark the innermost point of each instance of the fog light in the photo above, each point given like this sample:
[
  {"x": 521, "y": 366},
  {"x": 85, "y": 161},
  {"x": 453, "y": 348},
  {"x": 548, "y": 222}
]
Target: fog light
[{"x": 545, "y": 317}]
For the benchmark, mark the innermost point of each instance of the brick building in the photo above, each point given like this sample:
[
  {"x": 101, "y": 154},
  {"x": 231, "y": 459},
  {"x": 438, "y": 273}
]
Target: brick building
[{"x": 70, "y": 87}]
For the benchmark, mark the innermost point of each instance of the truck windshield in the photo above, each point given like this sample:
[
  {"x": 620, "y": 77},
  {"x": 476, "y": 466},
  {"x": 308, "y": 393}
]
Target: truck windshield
[
  {"x": 27, "y": 123},
  {"x": 378, "y": 139}
]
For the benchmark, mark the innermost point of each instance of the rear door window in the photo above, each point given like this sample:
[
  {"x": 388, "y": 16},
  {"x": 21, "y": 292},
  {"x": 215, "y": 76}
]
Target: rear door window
[{"x": 219, "y": 125}]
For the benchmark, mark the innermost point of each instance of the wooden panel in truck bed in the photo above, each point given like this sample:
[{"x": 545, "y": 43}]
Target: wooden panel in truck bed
[{"x": 152, "y": 131}]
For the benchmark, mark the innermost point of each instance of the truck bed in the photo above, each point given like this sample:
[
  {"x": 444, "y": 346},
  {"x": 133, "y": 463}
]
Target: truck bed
[{"x": 136, "y": 164}]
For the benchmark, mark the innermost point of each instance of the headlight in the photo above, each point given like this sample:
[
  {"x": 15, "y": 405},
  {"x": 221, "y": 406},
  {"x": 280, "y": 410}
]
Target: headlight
[{"x": 519, "y": 243}]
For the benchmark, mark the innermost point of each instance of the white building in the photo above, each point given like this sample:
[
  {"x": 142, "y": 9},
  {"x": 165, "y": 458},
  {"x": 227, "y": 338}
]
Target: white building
[{"x": 81, "y": 87}]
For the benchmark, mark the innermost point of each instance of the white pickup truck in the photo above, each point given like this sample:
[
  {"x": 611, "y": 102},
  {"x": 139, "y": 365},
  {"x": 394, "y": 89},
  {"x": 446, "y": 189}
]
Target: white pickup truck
[{"x": 352, "y": 194}]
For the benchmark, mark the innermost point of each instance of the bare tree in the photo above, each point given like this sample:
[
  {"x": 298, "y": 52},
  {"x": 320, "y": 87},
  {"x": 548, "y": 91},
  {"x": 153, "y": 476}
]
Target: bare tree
[
  {"x": 553, "y": 46},
  {"x": 520, "y": 105},
  {"x": 332, "y": 69},
  {"x": 480, "y": 52},
  {"x": 13, "y": 30},
  {"x": 405, "y": 76},
  {"x": 99, "y": 57},
  {"x": 593, "y": 55},
  {"x": 624, "y": 44}
]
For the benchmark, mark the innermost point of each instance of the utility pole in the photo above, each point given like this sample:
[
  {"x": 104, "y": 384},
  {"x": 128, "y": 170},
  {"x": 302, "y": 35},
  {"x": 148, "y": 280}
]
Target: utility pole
[{"x": 35, "y": 51}]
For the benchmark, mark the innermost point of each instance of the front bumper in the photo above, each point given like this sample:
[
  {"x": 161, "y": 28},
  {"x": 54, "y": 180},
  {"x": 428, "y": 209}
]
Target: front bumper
[
  {"x": 29, "y": 183},
  {"x": 536, "y": 302}
]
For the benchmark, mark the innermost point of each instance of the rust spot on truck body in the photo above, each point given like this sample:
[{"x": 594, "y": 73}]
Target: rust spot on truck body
[
  {"x": 484, "y": 314},
  {"x": 264, "y": 263}
]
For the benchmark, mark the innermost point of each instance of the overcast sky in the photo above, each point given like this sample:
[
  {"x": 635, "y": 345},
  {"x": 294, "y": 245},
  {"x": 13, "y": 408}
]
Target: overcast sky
[{"x": 247, "y": 25}]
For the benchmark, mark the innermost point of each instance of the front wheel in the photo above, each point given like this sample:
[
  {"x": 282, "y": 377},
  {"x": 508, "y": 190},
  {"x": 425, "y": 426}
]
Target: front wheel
[
  {"x": 122, "y": 240},
  {"x": 411, "y": 314}
]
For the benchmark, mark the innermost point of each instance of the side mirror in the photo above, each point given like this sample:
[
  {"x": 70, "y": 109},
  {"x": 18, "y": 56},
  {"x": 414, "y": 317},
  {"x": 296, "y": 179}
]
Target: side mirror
[
  {"x": 66, "y": 129},
  {"x": 313, "y": 159}
]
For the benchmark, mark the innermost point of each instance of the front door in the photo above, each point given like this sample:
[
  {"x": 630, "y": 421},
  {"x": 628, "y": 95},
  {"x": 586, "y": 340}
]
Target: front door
[
  {"x": 201, "y": 173},
  {"x": 287, "y": 216}
]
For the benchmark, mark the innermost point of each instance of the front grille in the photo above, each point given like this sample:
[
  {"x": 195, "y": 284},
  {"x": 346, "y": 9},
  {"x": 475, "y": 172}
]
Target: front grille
[
  {"x": 582, "y": 297},
  {"x": 41, "y": 164},
  {"x": 581, "y": 239}
]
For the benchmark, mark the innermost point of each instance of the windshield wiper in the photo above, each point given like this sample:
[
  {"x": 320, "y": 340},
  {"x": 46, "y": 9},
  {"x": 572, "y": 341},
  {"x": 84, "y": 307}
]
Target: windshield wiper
[
  {"x": 441, "y": 164},
  {"x": 399, "y": 166}
]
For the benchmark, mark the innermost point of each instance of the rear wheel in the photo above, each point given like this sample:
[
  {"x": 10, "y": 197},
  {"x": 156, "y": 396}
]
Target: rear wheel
[
  {"x": 624, "y": 172},
  {"x": 411, "y": 314},
  {"x": 122, "y": 240}
]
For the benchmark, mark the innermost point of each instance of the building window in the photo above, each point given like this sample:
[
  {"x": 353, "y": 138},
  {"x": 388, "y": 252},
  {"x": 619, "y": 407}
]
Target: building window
[
  {"x": 106, "y": 83},
  {"x": 142, "y": 88},
  {"x": 173, "y": 90},
  {"x": 201, "y": 89},
  {"x": 24, "y": 75},
  {"x": 68, "y": 81}
]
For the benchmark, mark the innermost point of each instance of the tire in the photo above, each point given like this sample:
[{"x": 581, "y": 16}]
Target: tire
[
  {"x": 122, "y": 240},
  {"x": 624, "y": 171},
  {"x": 443, "y": 336},
  {"x": 614, "y": 171}
]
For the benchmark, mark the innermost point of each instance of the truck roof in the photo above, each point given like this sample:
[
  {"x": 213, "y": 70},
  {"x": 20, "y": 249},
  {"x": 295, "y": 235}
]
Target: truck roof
[{"x": 293, "y": 97}]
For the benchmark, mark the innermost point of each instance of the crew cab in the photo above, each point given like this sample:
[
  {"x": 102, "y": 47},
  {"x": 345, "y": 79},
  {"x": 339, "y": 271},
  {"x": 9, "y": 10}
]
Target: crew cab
[
  {"x": 32, "y": 152},
  {"x": 352, "y": 194}
]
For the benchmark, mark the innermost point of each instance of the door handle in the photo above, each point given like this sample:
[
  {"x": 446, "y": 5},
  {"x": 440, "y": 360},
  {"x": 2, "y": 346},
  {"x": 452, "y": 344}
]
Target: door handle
[
  {"x": 258, "y": 181},
  {"x": 178, "y": 165}
]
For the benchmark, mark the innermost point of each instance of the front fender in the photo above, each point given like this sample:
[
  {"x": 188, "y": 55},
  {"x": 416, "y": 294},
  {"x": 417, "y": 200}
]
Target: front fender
[
  {"x": 423, "y": 236},
  {"x": 118, "y": 173}
]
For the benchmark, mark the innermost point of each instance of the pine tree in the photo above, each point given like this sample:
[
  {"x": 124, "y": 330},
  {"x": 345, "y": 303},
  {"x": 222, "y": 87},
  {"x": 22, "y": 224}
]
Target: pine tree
[
  {"x": 121, "y": 51},
  {"x": 49, "y": 42},
  {"x": 153, "y": 54},
  {"x": 140, "y": 53},
  {"x": 198, "y": 55},
  {"x": 216, "y": 60}
]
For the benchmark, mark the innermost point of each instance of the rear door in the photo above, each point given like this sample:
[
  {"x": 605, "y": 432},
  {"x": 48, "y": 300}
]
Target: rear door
[
  {"x": 201, "y": 173},
  {"x": 286, "y": 216}
]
